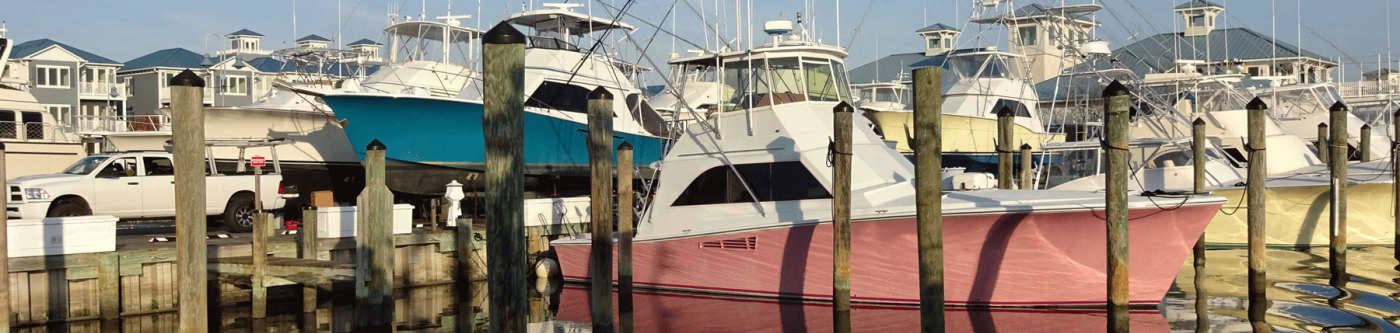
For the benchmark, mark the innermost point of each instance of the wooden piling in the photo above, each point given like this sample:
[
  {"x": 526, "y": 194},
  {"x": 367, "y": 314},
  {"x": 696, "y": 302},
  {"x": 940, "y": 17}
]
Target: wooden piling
[
  {"x": 1198, "y": 252},
  {"x": 433, "y": 208},
  {"x": 1364, "y": 148},
  {"x": 108, "y": 283},
  {"x": 187, "y": 136},
  {"x": 1026, "y": 167},
  {"x": 624, "y": 239},
  {"x": 5, "y": 255},
  {"x": 928, "y": 184},
  {"x": 465, "y": 315},
  {"x": 1337, "y": 259},
  {"x": 1322, "y": 143},
  {"x": 1255, "y": 192},
  {"x": 1005, "y": 174},
  {"x": 307, "y": 248},
  {"x": 841, "y": 217},
  {"x": 374, "y": 304},
  {"x": 600, "y": 160},
  {"x": 503, "y": 67},
  {"x": 259, "y": 253},
  {"x": 1395, "y": 171},
  {"x": 1116, "y": 109}
]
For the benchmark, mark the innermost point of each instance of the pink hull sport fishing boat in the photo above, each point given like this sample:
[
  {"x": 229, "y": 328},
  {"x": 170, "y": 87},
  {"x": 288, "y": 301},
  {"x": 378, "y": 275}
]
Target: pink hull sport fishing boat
[{"x": 743, "y": 207}]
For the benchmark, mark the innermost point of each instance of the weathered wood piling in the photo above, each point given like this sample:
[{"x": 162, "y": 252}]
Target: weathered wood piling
[
  {"x": 374, "y": 283},
  {"x": 1116, "y": 108},
  {"x": 600, "y": 161},
  {"x": 928, "y": 184},
  {"x": 5, "y": 254},
  {"x": 1337, "y": 253},
  {"x": 1255, "y": 196},
  {"x": 1026, "y": 167},
  {"x": 1395, "y": 171},
  {"x": 1364, "y": 148},
  {"x": 464, "y": 273},
  {"x": 624, "y": 238},
  {"x": 259, "y": 254},
  {"x": 1198, "y": 252},
  {"x": 841, "y": 218},
  {"x": 1005, "y": 175},
  {"x": 503, "y": 64},
  {"x": 307, "y": 248},
  {"x": 1322, "y": 143},
  {"x": 187, "y": 114}
]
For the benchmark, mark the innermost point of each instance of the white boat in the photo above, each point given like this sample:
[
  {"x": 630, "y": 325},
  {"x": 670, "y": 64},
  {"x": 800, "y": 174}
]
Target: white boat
[{"x": 34, "y": 142}]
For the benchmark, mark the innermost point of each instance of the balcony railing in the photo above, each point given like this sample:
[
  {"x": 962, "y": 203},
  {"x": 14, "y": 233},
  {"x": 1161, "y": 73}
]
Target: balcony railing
[
  {"x": 109, "y": 124},
  {"x": 36, "y": 132},
  {"x": 1364, "y": 89},
  {"x": 101, "y": 90}
]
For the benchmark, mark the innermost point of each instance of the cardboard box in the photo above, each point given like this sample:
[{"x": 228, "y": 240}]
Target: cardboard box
[{"x": 321, "y": 199}]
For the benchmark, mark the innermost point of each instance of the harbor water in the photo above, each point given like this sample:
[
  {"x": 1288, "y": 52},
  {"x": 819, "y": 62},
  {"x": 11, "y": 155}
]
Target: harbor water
[{"x": 1301, "y": 300}]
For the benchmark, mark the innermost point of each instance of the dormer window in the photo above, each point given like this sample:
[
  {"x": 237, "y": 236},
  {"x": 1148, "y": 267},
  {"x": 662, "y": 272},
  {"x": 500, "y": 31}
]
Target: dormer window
[
  {"x": 934, "y": 43},
  {"x": 1198, "y": 20}
]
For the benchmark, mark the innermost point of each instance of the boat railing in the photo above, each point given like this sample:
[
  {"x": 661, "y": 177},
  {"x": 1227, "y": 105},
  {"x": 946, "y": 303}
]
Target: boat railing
[
  {"x": 109, "y": 124},
  {"x": 36, "y": 132},
  {"x": 549, "y": 43},
  {"x": 1365, "y": 89}
]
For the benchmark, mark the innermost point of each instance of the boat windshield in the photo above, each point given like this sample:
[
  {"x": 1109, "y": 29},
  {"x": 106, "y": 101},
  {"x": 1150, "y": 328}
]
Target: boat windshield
[
  {"x": 773, "y": 81},
  {"x": 983, "y": 66},
  {"x": 85, "y": 165},
  {"x": 693, "y": 73},
  {"x": 1297, "y": 103}
]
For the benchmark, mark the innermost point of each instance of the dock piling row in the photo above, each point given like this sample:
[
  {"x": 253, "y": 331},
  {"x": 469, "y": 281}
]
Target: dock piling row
[
  {"x": 624, "y": 238},
  {"x": 1337, "y": 255},
  {"x": 1005, "y": 121},
  {"x": 841, "y": 217},
  {"x": 1258, "y": 171},
  {"x": 503, "y": 67},
  {"x": 307, "y": 248},
  {"x": 600, "y": 160},
  {"x": 1117, "y": 104},
  {"x": 375, "y": 255},
  {"x": 1198, "y": 252}
]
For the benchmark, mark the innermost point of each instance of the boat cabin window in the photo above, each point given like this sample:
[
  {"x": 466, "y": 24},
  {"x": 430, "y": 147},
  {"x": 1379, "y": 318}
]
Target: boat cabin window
[
  {"x": 886, "y": 95},
  {"x": 693, "y": 73},
  {"x": 559, "y": 96},
  {"x": 33, "y": 124},
  {"x": 983, "y": 66},
  {"x": 8, "y": 125},
  {"x": 1017, "y": 108},
  {"x": 551, "y": 43},
  {"x": 774, "y": 81},
  {"x": 781, "y": 181}
]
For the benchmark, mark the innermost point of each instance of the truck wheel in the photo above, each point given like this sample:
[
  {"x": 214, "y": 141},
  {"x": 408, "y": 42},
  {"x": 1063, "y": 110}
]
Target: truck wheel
[
  {"x": 238, "y": 216},
  {"x": 68, "y": 208}
]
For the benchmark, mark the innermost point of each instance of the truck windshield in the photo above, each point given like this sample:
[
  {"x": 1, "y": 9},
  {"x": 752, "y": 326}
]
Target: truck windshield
[{"x": 85, "y": 165}]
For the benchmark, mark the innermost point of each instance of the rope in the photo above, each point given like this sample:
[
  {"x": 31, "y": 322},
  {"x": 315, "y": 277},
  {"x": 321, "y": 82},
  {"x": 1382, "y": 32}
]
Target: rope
[{"x": 831, "y": 152}]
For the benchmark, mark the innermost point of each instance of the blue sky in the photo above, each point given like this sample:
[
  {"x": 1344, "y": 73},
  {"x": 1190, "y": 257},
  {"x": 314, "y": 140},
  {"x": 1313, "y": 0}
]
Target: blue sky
[{"x": 123, "y": 30}]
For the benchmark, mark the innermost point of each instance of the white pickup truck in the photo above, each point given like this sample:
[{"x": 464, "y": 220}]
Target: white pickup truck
[{"x": 139, "y": 185}]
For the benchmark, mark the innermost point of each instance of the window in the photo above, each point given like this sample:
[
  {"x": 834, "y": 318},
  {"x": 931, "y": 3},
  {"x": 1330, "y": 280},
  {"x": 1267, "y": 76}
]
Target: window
[
  {"x": 934, "y": 43},
  {"x": 1254, "y": 71},
  {"x": 122, "y": 167},
  {"x": 33, "y": 124},
  {"x": 781, "y": 181},
  {"x": 1028, "y": 37},
  {"x": 52, "y": 77},
  {"x": 559, "y": 96},
  {"x": 234, "y": 46},
  {"x": 60, "y": 113},
  {"x": 237, "y": 85},
  {"x": 8, "y": 125},
  {"x": 130, "y": 88},
  {"x": 165, "y": 79},
  {"x": 821, "y": 84},
  {"x": 1198, "y": 20},
  {"x": 158, "y": 166}
]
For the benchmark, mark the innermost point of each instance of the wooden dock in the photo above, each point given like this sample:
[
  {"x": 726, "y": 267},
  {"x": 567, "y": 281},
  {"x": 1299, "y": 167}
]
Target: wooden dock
[{"x": 139, "y": 279}]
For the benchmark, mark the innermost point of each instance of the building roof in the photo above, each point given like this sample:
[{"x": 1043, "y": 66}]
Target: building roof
[
  {"x": 936, "y": 27},
  {"x": 1158, "y": 54},
  {"x": 32, "y": 47},
  {"x": 1035, "y": 9},
  {"x": 1197, "y": 4},
  {"x": 364, "y": 41},
  {"x": 313, "y": 38},
  {"x": 897, "y": 67},
  {"x": 173, "y": 58},
  {"x": 245, "y": 32},
  {"x": 268, "y": 65}
]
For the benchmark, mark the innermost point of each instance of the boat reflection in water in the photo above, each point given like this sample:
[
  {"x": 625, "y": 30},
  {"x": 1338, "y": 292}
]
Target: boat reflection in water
[{"x": 682, "y": 312}]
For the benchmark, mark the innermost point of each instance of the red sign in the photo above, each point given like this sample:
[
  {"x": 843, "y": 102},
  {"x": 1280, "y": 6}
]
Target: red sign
[{"x": 259, "y": 161}]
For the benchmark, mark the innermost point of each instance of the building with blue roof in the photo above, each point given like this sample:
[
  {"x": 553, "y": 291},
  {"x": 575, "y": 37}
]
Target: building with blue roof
[
  {"x": 74, "y": 85},
  {"x": 313, "y": 41},
  {"x": 245, "y": 43}
]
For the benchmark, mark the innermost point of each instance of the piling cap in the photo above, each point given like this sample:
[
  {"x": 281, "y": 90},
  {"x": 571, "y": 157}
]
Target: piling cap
[
  {"x": 843, "y": 107},
  {"x": 187, "y": 78},
  {"x": 1005, "y": 112},
  {"x": 1256, "y": 104},
  {"x": 1321, "y": 125},
  {"x": 600, "y": 93},
  {"x": 1025, "y": 146},
  {"x": 503, "y": 33},
  {"x": 624, "y": 146},
  {"x": 1397, "y": 112},
  {"x": 1198, "y": 121},
  {"x": 1115, "y": 89},
  {"x": 1338, "y": 107},
  {"x": 376, "y": 145},
  {"x": 1366, "y": 127}
]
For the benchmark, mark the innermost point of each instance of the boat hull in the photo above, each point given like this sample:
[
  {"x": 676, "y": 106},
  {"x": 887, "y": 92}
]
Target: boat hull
[
  {"x": 432, "y": 141},
  {"x": 1014, "y": 260},
  {"x": 38, "y": 158},
  {"x": 1300, "y": 217}
]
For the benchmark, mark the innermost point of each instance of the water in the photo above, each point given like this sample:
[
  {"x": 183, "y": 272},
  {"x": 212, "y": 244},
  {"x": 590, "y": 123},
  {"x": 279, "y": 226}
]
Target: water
[{"x": 1302, "y": 299}]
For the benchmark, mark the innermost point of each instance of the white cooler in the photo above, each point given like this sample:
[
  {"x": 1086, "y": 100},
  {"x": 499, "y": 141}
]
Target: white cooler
[
  {"x": 66, "y": 235},
  {"x": 338, "y": 222}
]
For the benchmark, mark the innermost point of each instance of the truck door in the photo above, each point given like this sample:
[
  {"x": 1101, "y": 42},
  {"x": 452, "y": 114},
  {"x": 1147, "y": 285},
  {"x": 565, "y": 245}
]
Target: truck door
[
  {"x": 117, "y": 189},
  {"x": 158, "y": 186}
]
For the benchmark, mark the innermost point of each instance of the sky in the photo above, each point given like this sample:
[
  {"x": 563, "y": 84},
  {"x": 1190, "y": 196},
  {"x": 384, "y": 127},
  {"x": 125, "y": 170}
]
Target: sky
[{"x": 124, "y": 30}]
